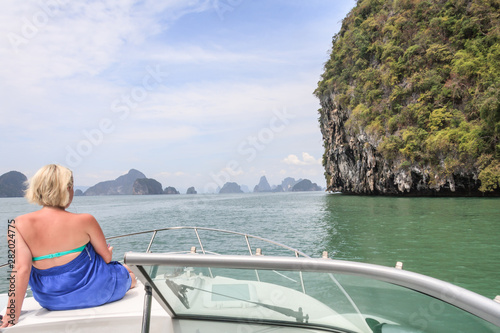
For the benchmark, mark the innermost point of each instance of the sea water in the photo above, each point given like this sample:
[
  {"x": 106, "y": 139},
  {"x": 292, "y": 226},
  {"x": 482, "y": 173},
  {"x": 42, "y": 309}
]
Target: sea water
[{"x": 452, "y": 239}]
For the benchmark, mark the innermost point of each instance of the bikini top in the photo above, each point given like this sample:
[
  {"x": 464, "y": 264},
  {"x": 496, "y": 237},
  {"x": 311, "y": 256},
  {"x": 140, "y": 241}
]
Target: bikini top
[{"x": 59, "y": 254}]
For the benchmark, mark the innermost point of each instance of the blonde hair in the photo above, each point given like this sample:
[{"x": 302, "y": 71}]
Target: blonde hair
[{"x": 49, "y": 186}]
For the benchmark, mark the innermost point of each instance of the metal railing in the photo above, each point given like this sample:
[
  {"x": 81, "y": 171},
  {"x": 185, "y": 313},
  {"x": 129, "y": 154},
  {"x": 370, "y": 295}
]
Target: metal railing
[
  {"x": 464, "y": 299},
  {"x": 246, "y": 237},
  {"x": 204, "y": 250}
]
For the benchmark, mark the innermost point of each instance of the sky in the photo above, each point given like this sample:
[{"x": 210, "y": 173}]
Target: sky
[{"x": 189, "y": 92}]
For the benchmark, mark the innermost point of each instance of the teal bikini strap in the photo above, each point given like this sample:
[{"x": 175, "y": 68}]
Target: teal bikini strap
[{"x": 59, "y": 254}]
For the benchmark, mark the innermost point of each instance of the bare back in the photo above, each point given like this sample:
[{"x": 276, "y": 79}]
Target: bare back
[{"x": 51, "y": 230}]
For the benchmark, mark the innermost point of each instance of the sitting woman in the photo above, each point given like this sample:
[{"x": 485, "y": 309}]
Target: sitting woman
[{"x": 63, "y": 256}]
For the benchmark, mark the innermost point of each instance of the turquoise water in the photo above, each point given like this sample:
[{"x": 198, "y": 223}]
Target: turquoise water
[{"x": 452, "y": 239}]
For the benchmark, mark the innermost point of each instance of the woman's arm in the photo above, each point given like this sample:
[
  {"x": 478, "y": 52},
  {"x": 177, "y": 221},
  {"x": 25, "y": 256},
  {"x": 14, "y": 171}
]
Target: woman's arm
[
  {"x": 97, "y": 238},
  {"x": 19, "y": 277}
]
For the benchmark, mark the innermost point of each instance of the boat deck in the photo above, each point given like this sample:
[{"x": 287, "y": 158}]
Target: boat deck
[{"x": 122, "y": 316}]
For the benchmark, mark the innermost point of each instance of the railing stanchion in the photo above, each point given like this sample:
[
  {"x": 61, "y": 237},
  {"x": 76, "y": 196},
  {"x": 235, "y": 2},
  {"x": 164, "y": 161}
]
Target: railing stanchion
[
  {"x": 151, "y": 241},
  {"x": 202, "y": 250},
  {"x": 250, "y": 250},
  {"x": 146, "y": 313},
  {"x": 301, "y": 278}
]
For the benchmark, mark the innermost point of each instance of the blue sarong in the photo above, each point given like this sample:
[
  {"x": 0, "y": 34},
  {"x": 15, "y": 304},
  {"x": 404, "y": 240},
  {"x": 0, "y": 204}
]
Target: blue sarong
[{"x": 84, "y": 282}]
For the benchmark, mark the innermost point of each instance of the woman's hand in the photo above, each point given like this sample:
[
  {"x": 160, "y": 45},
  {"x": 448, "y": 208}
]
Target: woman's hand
[
  {"x": 6, "y": 322},
  {"x": 97, "y": 238}
]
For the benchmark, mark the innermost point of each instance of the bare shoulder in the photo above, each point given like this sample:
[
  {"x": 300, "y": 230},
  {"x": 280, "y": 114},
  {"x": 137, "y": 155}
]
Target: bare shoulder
[
  {"x": 24, "y": 223},
  {"x": 88, "y": 222},
  {"x": 19, "y": 220},
  {"x": 85, "y": 218}
]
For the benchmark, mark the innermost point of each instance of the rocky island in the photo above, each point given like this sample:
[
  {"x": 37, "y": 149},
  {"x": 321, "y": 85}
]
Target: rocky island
[
  {"x": 306, "y": 185},
  {"x": 230, "y": 187},
  {"x": 12, "y": 184},
  {"x": 263, "y": 185},
  {"x": 170, "y": 190},
  {"x": 287, "y": 185},
  {"x": 121, "y": 185},
  {"x": 410, "y": 100},
  {"x": 144, "y": 186},
  {"x": 191, "y": 190}
]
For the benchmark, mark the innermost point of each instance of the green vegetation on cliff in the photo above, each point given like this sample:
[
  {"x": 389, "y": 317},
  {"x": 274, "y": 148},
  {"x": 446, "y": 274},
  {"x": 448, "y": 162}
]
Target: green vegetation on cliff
[{"x": 423, "y": 77}]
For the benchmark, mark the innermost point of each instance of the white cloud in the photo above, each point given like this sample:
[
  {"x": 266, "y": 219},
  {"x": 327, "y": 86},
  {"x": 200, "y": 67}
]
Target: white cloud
[
  {"x": 193, "y": 54},
  {"x": 307, "y": 159},
  {"x": 58, "y": 39},
  {"x": 226, "y": 77}
]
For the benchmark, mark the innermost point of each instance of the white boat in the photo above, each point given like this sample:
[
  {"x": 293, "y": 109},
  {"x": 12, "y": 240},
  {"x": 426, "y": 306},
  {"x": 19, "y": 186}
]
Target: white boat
[{"x": 201, "y": 291}]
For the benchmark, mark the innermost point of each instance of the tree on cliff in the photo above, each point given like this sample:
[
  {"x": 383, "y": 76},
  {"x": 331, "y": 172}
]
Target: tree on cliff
[{"x": 410, "y": 98}]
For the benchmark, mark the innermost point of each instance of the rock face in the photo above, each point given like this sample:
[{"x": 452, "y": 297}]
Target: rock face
[
  {"x": 12, "y": 184},
  {"x": 305, "y": 185},
  {"x": 146, "y": 186},
  {"x": 278, "y": 188},
  {"x": 288, "y": 183},
  {"x": 263, "y": 185},
  {"x": 230, "y": 187},
  {"x": 353, "y": 165},
  {"x": 191, "y": 190},
  {"x": 170, "y": 190},
  {"x": 121, "y": 185}
]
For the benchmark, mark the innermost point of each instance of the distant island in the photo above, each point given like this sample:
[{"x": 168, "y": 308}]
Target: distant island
[
  {"x": 170, "y": 190},
  {"x": 146, "y": 186},
  {"x": 306, "y": 185},
  {"x": 134, "y": 182},
  {"x": 263, "y": 185},
  {"x": 12, "y": 184},
  {"x": 287, "y": 185},
  {"x": 121, "y": 185}
]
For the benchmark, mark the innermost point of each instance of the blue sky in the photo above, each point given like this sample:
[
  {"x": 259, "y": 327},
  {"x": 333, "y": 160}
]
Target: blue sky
[{"x": 191, "y": 93}]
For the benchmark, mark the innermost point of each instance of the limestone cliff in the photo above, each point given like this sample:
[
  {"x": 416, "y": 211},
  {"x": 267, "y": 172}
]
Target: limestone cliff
[
  {"x": 170, "y": 190},
  {"x": 12, "y": 184},
  {"x": 144, "y": 186},
  {"x": 354, "y": 166},
  {"x": 410, "y": 99},
  {"x": 306, "y": 185},
  {"x": 191, "y": 190},
  {"x": 121, "y": 185},
  {"x": 263, "y": 185},
  {"x": 288, "y": 183},
  {"x": 230, "y": 187}
]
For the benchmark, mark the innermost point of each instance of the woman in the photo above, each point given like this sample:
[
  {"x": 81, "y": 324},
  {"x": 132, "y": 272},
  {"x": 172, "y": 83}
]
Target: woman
[{"x": 63, "y": 256}]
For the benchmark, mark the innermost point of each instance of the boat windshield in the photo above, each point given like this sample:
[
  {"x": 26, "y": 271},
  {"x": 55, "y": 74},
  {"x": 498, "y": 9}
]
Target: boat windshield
[{"x": 321, "y": 294}]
